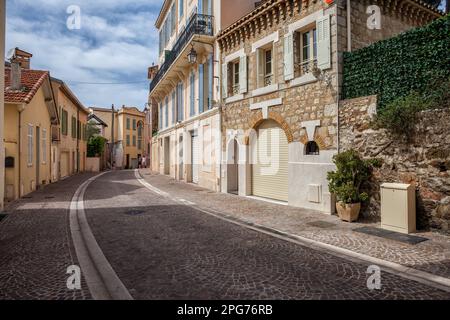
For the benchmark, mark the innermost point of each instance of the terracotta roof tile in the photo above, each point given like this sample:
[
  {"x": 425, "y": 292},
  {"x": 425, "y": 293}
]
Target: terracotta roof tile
[{"x": 31, "y": 82}]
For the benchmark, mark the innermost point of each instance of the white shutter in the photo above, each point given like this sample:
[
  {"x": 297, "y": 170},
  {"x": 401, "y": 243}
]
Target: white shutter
[
  {"x": 260, "y": 67},
  {"x": 224, "y": 81},
  {"x": 289, "y": 57},
  {"x": 243, "y": 74},
  {"x": 323, "y": 42}
]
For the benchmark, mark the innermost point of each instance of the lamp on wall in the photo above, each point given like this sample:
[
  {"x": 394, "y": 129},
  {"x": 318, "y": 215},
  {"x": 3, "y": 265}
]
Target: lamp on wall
[{"x": 192, "y": 55}]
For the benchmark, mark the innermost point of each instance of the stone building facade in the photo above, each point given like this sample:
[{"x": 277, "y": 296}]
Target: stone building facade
[
  {"x": 281, "y": 76},
  {"x": 423, "y": 160}
]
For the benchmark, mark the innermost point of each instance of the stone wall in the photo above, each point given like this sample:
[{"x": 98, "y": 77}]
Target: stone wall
[{"x": 424, "y": 160}]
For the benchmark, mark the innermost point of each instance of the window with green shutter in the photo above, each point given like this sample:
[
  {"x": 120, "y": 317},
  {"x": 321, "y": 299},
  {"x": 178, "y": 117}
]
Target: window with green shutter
[
  {"x": 134, "y": 141},
  {"x": 74, "y": 127},
  {"x": 64, "y": 122},
  {"x": 134, "y": 124},
  {"x": 128, "y": 140},
  {"x": 128, "y": 123}
]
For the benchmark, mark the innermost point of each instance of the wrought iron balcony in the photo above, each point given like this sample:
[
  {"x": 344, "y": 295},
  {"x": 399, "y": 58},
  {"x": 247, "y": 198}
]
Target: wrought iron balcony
[{"x": 199, "y": 24}]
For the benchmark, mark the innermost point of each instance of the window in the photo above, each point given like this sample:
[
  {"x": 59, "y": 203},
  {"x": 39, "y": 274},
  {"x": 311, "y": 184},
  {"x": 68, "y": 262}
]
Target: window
[
  {"x": 180, "y": 8},
  {"x": 268, "y": 76},
  {"x": 30, "y": 144},
  {"x": 174, "y": 105},
  {"x": 134, "y": 141},
  {"x": 192, "y": 94},
  {"x": 312, "y": 149},
  {"x": 173, "y": 20},
  {"x": 78, "y": 130},
  {"x": 308, "y": 50},
  {"x": 64, "y": 122},
  {"x": 161, "y": 42},
  {"x": 140, "y": 130},
  {"x": 210, "y": 80},
  {"x": 235, "y": 77},
  {"x": 134, "y": 124},
  {"x": 166, "y": 113},
  {"x": 180, "y": 102},
  {"x": 44, "y": 146},
  {"x": 128, "y": 140},
  {"x": 160, "y": 123},
  {"x": 74, "y": 128},
  {"x": 128, "y": 124}
]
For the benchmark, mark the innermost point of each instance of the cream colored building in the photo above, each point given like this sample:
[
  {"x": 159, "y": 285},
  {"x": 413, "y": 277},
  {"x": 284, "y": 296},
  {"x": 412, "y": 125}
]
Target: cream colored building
[
  {"x": 30, "y": 126},
  {"x": 125, "y": 132},
  {"x": 2, "y": 98},
  {"x": 71, "y": 151},
  {"x": 186, "y": 88}
]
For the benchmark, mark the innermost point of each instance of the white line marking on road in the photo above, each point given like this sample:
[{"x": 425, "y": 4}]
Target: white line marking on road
[
  {"x": 391, "y": 267},
  {"x": 103, "y": 282}
]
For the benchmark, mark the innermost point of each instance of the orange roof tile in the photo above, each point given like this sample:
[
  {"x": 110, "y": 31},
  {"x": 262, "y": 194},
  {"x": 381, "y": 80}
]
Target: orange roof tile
[{"x": 31, "y": 82}]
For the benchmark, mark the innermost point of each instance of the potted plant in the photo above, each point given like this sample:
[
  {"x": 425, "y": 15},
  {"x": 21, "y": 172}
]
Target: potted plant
[{"x": 346, "y": 181}]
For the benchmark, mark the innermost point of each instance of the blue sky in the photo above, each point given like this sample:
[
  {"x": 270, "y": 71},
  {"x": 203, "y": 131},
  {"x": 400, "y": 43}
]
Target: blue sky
[{"x": 116, "y": 43}]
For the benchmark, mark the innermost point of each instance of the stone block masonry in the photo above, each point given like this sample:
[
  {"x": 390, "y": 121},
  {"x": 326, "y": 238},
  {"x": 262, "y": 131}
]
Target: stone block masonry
[{"x": 423, "y": 161}]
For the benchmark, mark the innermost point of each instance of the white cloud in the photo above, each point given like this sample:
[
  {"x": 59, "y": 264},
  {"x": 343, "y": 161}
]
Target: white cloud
[{"x": 113, "y": 46}]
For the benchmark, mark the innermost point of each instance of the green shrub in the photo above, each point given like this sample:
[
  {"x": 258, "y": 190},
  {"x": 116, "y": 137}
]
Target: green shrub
[
  {"x": 351, "y": 173},
  {"x": 95, "y": 146}
]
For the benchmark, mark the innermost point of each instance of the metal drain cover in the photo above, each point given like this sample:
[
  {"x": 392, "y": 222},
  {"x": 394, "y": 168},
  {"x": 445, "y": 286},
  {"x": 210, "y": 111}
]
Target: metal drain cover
[
  {"x": 3, "y": 216},
  {"x": 321, "y": 224}
]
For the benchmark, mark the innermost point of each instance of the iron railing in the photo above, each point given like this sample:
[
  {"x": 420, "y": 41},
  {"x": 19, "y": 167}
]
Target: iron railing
[{"x": 199, "y": 24}]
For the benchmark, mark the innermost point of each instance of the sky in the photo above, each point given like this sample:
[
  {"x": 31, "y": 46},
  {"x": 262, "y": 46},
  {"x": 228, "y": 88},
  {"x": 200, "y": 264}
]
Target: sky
[{"x": 116, "y": 43}]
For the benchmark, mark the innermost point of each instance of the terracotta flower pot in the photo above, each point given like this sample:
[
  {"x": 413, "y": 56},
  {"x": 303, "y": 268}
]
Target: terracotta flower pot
[{"x": 348, "y": 212}]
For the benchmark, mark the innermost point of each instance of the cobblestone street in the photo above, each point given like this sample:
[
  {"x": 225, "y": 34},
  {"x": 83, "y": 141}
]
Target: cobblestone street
[{"x": 161, "y": 248}]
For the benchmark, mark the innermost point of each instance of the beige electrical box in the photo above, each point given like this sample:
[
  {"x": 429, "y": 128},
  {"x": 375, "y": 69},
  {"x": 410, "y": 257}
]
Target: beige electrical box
[{"x": 398, "y": 207}]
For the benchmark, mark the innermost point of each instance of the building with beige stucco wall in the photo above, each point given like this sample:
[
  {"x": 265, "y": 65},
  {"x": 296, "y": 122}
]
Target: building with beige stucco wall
[
  {"x": 31, "y": 120},
  {"x": 125, "y": 134},
  {"x": 71, "y": 151}
]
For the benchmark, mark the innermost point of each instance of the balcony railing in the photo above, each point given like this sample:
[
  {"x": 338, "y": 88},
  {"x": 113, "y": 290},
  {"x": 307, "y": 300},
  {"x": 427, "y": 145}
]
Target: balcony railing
[{"x": 199, "y": 24}]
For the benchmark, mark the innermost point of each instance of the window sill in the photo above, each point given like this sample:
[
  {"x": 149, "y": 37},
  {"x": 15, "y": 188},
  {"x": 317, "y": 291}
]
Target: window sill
[
  {"x": 303, "y": 80},
  {"x": 265, "y": 90},
  {"x": 234, "y": 98}
]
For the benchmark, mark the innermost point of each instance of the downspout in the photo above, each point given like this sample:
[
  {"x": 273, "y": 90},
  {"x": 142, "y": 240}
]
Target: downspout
[{"x": 349, "y": 26}]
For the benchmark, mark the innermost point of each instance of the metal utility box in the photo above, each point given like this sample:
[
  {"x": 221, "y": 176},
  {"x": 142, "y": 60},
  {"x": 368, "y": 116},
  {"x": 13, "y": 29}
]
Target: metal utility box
[{"x": 398, "y": 207}]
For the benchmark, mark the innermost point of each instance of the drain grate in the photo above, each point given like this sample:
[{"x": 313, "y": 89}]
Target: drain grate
[
  {"x": 321, "y": 224},
  {"x": 3, "y": 216},
  {"x": 391, "y": 235},
  {"x": 134, "y": 212}
]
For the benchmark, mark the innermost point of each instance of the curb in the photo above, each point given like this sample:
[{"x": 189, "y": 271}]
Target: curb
[
  {"x": 423, "y": 277},
  {"x": 103, "y": 282}
]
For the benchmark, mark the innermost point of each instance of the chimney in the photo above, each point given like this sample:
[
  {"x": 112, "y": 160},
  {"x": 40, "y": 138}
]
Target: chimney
[
  {"x": 16, "y": 76},
  {"x": 23, "y": 58}
]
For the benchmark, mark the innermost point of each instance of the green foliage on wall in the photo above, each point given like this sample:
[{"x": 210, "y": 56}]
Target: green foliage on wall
[
  {"x": 395, "y": 67},
  {"x": 96, "y": 146}
]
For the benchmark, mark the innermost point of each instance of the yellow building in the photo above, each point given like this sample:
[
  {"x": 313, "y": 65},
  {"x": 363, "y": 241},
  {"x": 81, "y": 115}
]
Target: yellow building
[
  {"x": 128, "y": 135},
  {"x": 30, "y": 127},
  {"x": 72, "y": 150}
]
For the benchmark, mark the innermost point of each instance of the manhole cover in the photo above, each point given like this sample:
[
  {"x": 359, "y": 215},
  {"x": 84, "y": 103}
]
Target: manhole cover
[
  {"x": 135, "y": 212},
  {"x": 321, "y": 224},
  {"x": 391, "y": 235}
]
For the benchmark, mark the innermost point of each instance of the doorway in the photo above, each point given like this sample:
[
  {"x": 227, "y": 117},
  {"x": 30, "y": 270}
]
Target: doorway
[
  {"x": 127, "y": 164},
  {"x": 233, "y": 167},
  {"x": 181, "y": 160}
]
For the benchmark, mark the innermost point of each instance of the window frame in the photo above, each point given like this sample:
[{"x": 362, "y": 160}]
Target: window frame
[
  {"x": 312, "y": 48},
  {"x": 30, "y": 146},
  {"x": 268, "y": 77},
  {"x": 235, "y": 83}
]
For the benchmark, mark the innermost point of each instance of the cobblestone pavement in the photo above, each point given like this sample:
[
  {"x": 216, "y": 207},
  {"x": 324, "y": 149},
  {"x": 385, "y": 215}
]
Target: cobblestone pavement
[
  {"x": 36, "y": 245},
  {"x": 431, "y": 256},
  {"x": 163, "y": 250}
]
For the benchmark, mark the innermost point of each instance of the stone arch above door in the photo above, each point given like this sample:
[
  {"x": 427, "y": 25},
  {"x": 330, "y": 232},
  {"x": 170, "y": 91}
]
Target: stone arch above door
[{"x": 258, "y": 119}]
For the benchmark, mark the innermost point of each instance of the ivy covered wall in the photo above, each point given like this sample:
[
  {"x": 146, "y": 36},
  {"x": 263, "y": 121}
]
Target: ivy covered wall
[{"x": 416, "y": 60}]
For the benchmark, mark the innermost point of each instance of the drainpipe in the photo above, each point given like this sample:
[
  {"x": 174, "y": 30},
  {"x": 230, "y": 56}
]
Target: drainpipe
[{"x": 349, "y": 26}]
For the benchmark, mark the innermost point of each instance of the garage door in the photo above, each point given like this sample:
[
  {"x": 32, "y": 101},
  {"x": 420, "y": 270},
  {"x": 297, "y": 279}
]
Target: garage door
[
  {"x": 270, "y": 168},
  {"x": 65, "y": 164},
  {"x": 195, "y": 158}
]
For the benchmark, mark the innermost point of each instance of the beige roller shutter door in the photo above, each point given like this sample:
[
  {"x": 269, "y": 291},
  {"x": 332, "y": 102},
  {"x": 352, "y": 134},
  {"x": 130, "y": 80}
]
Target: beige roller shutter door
[
  {"x": 270, "y": 172},
  {"x": 64, "y": 164}
]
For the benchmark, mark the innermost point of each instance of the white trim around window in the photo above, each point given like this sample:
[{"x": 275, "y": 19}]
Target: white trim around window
[
  {"x": 306, "y": 21},
  {"x": 234, "y": 56},
  {"x": 274, "y": 37}
]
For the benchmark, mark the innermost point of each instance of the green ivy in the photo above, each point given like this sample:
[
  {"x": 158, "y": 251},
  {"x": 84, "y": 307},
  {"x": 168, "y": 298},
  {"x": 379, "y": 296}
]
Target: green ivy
[{"x": 395, "y": 67}]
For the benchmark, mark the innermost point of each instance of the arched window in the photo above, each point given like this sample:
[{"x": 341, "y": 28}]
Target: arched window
[{"x": 312, "y": 149}]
